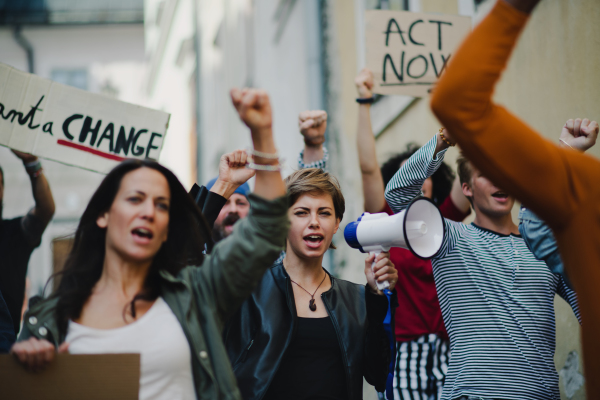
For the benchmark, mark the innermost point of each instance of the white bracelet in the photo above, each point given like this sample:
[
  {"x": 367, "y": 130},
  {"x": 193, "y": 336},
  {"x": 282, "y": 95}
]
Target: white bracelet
[
  {"x": 252, "y": 152},
  {"x": 561, "y": 140},
  {"x": 264, "y": 167}
]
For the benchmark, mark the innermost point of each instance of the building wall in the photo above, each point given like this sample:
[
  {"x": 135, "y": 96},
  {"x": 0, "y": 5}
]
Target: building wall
[
  {"x": 551, "y": 77},
  {"x": 112, "y": 57}
]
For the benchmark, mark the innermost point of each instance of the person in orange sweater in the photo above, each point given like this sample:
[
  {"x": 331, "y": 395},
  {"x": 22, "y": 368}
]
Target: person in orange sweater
[{"x": 558, "y": 183}]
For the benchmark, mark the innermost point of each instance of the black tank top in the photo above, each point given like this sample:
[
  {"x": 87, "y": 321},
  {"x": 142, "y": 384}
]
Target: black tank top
[{"x": 312, "y": 367}]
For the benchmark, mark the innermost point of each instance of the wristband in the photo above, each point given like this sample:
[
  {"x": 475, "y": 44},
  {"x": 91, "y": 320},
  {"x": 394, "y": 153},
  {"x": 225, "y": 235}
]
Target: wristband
[
  {"x": 444, "y": 138},
  {"x": 368, "y": 100},
  {"x": 33, "y": 167}
]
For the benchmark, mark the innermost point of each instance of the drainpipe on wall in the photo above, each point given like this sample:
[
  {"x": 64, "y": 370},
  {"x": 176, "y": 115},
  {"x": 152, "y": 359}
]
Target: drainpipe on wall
[
  {"x": 198, "y": 72},
  {"x": 25, "y": 45}
]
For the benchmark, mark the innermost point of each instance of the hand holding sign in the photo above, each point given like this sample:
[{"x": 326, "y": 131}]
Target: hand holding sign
[
  {"x": 36, "y": 354},
  {"x": 408, "y": 51}
]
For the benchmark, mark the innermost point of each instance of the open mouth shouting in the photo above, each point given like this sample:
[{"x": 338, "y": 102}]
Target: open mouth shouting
[
  {"x": 500, "y": 196},
  {"x": 314, "y": 240},
  {"x": 142, "y": 235}
]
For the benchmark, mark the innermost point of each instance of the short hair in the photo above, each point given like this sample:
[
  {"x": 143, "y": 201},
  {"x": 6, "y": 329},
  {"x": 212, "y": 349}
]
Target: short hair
[
  {"x": 465, "y": 169},
  {"x": 441, "y": 179},
  {"x": 316, "y": 181}
]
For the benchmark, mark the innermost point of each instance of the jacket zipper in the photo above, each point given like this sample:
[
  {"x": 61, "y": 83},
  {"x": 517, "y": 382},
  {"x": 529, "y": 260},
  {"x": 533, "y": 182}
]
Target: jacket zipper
[
  {"x": 342, "y": 348},
  {"x": 288, "y": 299},
  {"x": 245, "y": 355}
]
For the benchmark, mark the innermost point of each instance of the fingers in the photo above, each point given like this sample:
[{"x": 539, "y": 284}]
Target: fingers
[
  {"x": 318, "y": 117},
  {"x": 236, "y": 158},
  {"x": 577, "y": 127},
  {"x": 33, "y": 353},
  {"x": 306, "y": 124},
  {"x": 63, "y": 348}
]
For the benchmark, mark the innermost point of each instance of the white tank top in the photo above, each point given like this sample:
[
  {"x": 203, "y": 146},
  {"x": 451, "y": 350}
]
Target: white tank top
[{"x": 166, "y": 361}]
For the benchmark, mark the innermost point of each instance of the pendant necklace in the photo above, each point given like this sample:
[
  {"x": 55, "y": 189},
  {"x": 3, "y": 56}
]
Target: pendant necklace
[{"x": 311, "y": 304}]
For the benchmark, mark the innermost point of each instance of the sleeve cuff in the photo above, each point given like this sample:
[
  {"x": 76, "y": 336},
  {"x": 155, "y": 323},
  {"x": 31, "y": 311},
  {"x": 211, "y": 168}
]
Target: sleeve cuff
[{"x": 377, "y": 306}]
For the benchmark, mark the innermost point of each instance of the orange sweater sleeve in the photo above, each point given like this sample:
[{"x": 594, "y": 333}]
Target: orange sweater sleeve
[{"x": 552, "y": 181}]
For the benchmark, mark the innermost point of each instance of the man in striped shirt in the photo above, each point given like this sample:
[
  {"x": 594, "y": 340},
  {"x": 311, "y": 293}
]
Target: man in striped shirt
[{"x": 497, "y": 299}]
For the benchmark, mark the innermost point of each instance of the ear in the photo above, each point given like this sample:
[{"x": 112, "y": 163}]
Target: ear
[
  {"x": 467, "y": 191},
  {"x": 337, "y": 225},
  {"x": 102, "y": 220}
]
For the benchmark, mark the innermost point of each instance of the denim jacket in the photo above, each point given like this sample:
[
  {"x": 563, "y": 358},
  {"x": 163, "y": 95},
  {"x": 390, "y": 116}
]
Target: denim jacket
[
  {"x": 203, "y": 298},
  {"x": 539, "y": 238}
]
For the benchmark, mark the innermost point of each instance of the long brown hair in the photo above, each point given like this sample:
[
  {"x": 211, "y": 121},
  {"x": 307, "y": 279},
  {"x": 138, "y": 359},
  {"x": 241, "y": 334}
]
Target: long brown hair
[{"x": 188, "y": 233}]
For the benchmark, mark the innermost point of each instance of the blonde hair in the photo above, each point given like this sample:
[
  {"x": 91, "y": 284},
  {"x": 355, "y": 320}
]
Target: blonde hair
[{"x": 316, "y": 181}]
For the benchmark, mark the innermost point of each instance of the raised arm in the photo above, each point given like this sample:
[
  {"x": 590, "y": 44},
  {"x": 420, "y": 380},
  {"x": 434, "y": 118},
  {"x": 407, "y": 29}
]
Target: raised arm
[
  {"x": 408, "y": 181},
  {"x": 372, "y": 181},
  {"x": 238, "y": 262},
  {"x": 501, "y": 146},
  {"x": 312, "y": 125},
  {"x": 40, "y": 215}
]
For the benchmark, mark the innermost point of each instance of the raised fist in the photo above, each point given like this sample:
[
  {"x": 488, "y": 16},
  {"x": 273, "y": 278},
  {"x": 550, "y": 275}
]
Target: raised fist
[
  {"x": 364, "y": 83},
  {"x": 232, "y": 168},
  {"x": 580, "y": 134},
  {"x": 312, "y": 126},
  {"x": 253, "y": 107}
]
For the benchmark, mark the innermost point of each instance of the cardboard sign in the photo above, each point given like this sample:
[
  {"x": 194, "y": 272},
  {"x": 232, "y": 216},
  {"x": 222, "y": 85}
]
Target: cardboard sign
[
  {"x": 408, "y": 51},
  {"x": 73, "y": 377},
  {"x": 75, "y": 127}
]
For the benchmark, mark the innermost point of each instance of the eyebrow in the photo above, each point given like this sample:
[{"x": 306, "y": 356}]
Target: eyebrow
[
  {"x": 158, "y": 198},
  {"x": 308, "y": 209}
]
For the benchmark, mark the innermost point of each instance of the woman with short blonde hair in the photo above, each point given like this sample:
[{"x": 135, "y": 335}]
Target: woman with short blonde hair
[{"x": 304, "y": 333}]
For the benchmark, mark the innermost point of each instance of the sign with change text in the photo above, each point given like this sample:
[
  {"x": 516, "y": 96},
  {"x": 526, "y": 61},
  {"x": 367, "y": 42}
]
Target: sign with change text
[
  {"x": 407, "y": 51},
  {"x": 75, "y": 127}
]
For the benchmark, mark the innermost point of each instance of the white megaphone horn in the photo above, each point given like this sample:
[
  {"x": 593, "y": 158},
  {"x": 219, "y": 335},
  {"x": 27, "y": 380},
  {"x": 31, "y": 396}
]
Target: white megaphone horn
[{"x": 419, "y": 228}]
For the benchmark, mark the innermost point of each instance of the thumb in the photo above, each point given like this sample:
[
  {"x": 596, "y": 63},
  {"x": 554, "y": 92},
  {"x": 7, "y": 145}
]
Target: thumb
[
  {"x": 63, "y": 348},
  {"x": 306, "y": 124}
]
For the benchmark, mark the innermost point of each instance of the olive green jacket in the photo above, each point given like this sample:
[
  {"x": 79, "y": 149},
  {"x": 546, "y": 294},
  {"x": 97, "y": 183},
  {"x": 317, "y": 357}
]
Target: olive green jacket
[{"x": 202, "y": 298}]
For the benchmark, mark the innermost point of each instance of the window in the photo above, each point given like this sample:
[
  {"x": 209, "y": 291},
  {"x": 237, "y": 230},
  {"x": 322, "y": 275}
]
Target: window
[{"x": 73, "y": 77}]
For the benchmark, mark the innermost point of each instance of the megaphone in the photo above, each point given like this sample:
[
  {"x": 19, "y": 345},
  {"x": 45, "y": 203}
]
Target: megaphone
[{"x": 419, "y": 228}]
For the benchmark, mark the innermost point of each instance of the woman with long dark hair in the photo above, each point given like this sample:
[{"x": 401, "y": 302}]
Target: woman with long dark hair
[{"x": 126, "y": 288}]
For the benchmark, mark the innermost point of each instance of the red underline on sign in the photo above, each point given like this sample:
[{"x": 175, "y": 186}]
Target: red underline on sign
[{"x": 89, "y": 150}]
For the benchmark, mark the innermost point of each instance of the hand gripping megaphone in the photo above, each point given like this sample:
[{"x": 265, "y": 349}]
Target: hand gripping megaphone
[{"x": 419, "y": 228}]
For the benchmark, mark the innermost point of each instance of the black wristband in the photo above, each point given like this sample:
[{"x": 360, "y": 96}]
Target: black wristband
[{"x": 368, "y": 100}]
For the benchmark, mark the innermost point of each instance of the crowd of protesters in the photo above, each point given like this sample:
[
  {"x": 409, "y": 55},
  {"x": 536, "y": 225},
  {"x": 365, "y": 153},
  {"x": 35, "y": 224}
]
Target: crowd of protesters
[{"x": 222, "y": 290}]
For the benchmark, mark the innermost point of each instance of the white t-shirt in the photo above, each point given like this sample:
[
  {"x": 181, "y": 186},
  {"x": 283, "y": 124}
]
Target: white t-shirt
[{"x": 166, "y": 366}]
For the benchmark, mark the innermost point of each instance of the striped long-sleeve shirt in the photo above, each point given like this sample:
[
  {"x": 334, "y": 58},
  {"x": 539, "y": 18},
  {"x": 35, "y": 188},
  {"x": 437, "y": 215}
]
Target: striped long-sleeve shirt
[{"x": 497, "y": 302}]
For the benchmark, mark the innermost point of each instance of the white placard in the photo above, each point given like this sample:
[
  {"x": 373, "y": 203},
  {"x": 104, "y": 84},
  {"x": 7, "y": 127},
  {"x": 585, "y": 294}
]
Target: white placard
[
  {"x": 75, "y": 127},
  {"x": 408, "y": 51}
]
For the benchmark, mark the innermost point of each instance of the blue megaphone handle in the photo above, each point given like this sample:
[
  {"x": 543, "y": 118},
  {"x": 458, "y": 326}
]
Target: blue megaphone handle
[{"x": 389, "y": 330}]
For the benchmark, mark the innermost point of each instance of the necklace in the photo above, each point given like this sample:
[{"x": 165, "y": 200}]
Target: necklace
[{"x": 311, "y": 304}]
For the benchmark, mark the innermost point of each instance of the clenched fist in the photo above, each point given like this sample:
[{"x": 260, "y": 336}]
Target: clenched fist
[
  {"x": 364, "y": 83},
  {"x": 253, "y": 107},
  {"x": 580, "y": 134},
  {"x": 312, "y": 126}
]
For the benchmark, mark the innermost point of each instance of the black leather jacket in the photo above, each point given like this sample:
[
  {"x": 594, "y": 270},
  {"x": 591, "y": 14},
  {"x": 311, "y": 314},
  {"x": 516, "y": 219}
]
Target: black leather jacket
[{"x": 258, "y": 335}]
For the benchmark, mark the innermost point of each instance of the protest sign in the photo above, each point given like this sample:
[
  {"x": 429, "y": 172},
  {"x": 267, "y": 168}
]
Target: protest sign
[
  {"x": 408, "y": 51},
  {"x": 73, "y": 377},
  {"x": 75, "y": 127}
]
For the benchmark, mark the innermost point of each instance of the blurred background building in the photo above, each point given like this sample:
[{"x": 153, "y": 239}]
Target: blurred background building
[{"x": 183, "y": 56}]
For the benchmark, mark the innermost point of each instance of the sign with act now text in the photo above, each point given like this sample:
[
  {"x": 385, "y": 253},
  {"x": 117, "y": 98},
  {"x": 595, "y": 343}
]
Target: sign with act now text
[{"x": 408, "y": 51}]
